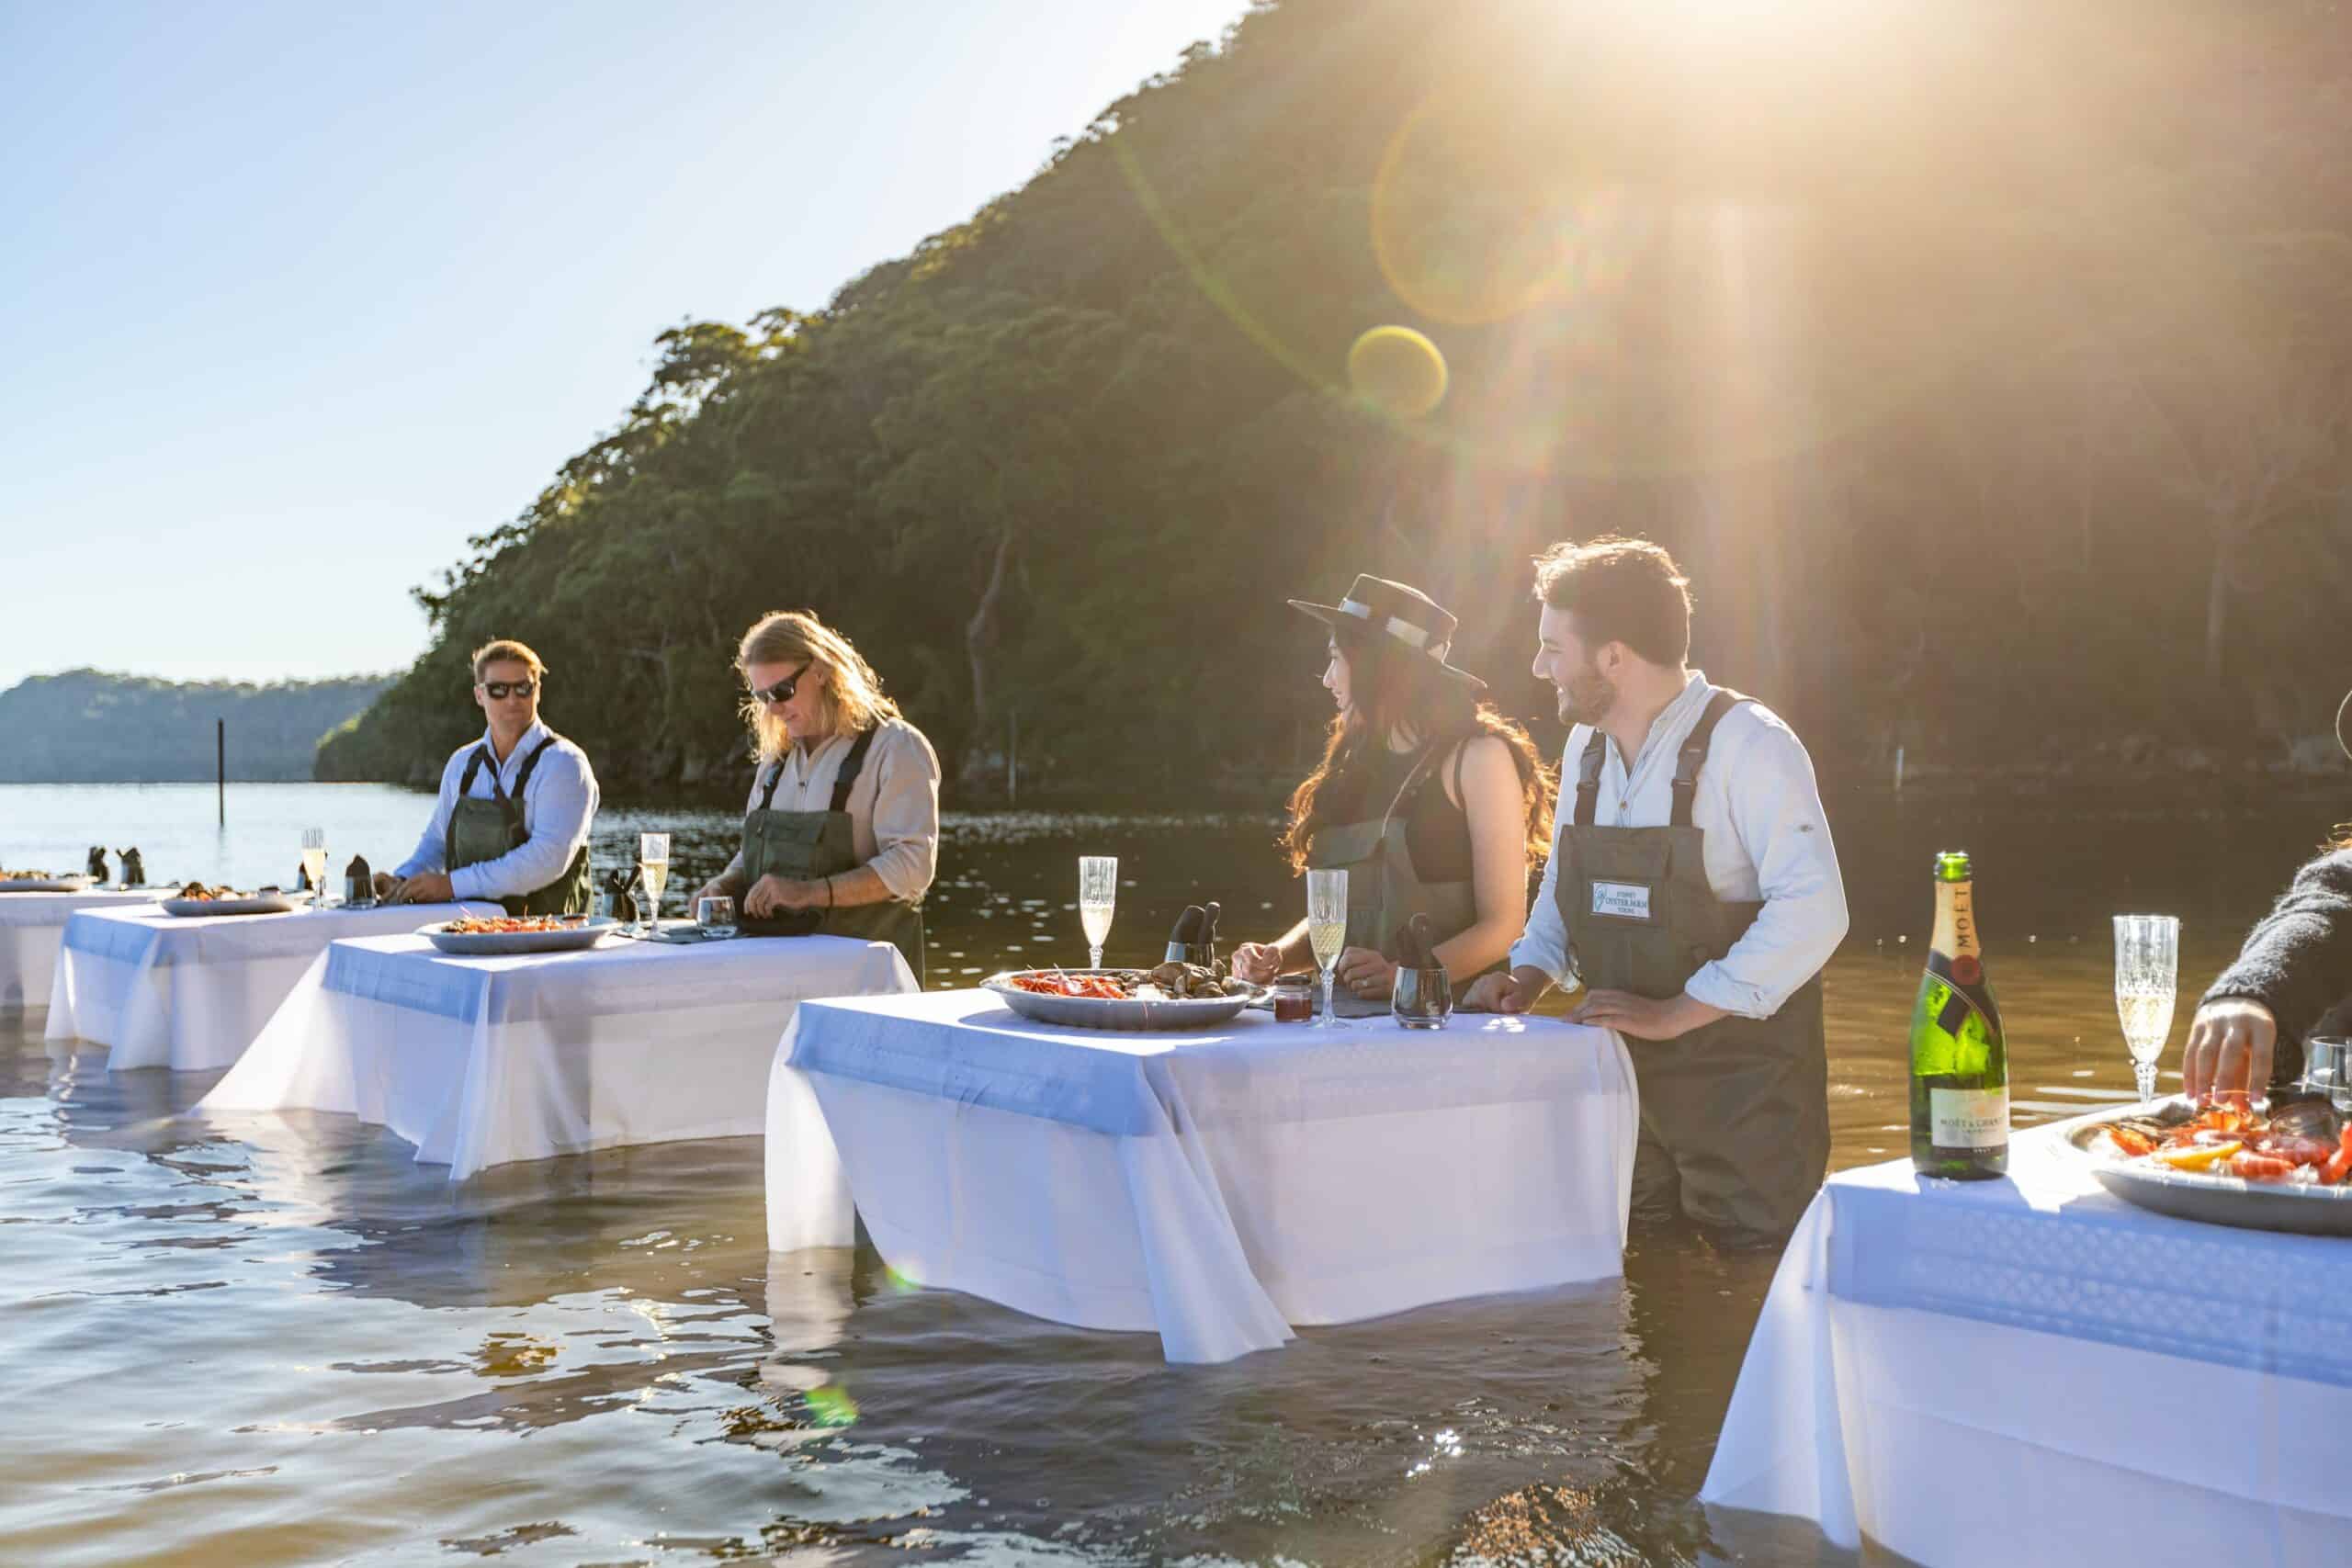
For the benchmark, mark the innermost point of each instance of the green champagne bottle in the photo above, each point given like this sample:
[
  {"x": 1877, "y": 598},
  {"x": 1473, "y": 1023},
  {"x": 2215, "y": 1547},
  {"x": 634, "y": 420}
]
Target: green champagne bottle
[{"x": 1959, "y": 1060}]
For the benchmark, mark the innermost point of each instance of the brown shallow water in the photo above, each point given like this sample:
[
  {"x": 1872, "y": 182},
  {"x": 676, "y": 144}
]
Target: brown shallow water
[{"x": 308, "y": 1348}]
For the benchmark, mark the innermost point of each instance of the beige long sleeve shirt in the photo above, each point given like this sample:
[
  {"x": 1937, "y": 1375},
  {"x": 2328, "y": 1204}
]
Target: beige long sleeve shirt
[{"x": 893, "y": 806}]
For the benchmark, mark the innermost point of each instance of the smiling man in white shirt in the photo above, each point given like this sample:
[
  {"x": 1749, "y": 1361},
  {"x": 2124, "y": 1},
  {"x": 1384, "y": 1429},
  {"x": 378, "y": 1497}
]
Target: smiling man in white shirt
[
  {"x": 511, "y": 823},
  {"x": 1694, "y": 892}
]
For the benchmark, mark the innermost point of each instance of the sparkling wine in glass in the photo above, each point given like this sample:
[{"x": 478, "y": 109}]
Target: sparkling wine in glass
[
  {"x": 1327, "y": 930},
  {"x": 2147, "y": 963},
  {"x": 1098, "y": 895},
  {"x": 314, "y": 865},
  {"x": 653, "y": 867}
]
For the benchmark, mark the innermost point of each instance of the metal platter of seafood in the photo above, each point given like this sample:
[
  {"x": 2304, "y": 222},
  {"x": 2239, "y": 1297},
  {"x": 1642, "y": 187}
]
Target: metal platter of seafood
[
  {"x": 41, "y": 882},
  {"x": 474, "y": 936},
  {"x": 198, "y": 900},
  {"x": 2289, "y": 1170},
  {"x": 1173, "y": 996}
]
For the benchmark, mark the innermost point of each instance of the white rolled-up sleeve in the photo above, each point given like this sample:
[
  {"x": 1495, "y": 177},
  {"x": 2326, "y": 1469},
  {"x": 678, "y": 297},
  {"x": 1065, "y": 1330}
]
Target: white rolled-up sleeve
[
  {"x": 1775, "y": 808},
  {"x": 906, "y": 813},
  {"x": 558, "y": 809},
  {"x": 1545, "y": 943}
]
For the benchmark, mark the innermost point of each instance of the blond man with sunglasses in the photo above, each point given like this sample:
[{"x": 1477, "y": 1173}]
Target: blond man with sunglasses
[
  {"x": 510, "y": 825},
  {"x": 840, "y": 833}
]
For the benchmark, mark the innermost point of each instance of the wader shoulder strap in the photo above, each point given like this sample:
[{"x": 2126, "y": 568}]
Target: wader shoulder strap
[
  {"x": 531, "y": 763},
  {"x": 1409, "y": 788},
  {"x": 464, "y": 784},
  {"x": 1596, "y": 752},
  {"x": 850, "y": 766},
  {"x": 776, "y": 777},
  {"x": 514, "y": 807},
  {"x": 1694, "y": 752},
  {"x": 473, "y": 766}
]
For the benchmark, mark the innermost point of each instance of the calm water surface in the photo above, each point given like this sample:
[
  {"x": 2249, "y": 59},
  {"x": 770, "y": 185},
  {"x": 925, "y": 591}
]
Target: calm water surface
[{"x": 300, "y": 1346}]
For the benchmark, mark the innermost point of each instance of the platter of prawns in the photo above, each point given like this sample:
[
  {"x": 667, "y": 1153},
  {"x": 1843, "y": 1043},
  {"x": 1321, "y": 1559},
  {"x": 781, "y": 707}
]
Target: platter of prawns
[
  {"x": 1173, "y": 996},
  {"x": 2281, "y": 1169},
  {"x": 477, "y": 936}
]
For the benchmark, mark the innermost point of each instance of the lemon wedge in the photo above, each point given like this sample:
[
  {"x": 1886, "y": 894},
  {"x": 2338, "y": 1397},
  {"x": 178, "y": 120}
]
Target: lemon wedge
[{"x": 2203, "y": 1157}]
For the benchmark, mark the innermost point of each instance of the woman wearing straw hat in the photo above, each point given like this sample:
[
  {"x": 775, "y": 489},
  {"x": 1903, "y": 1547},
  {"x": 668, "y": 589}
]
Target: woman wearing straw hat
[
  {"x": 2292, "y": 978},
  {"x": 1433, "y": 802}
]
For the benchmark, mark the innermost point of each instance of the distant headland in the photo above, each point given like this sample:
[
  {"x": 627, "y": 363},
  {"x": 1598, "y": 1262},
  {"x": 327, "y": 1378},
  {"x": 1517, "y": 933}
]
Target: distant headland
[{"x": 92, "y": 726}]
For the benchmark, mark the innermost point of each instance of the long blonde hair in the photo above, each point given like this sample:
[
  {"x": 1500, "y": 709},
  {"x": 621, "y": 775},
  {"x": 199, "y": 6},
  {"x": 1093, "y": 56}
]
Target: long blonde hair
[{"x": 853, "y": 691}]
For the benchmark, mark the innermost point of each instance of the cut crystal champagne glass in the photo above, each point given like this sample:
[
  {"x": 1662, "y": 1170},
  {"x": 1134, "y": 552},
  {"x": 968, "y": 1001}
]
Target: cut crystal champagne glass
[
  {"x": 2147, "y": 965},
  {"x": 1098, "y": 895},
  {"x": 314, "y": 865},
  {"x": 653, "y": 867},
  {"x": 1327, "y": 930}
]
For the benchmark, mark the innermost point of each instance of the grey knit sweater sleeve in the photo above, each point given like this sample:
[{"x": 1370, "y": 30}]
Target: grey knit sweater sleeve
[{"x": 2298, "y": 960}]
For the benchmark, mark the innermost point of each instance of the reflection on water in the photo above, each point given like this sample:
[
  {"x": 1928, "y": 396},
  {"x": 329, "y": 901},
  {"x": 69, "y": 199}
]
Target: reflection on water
[{"x": 300, "y": 1346}]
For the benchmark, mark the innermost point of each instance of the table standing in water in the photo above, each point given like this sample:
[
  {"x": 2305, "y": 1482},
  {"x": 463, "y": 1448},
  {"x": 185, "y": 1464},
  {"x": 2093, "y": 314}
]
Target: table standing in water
[
  {"x": 190, "y": 993},
  {"x": 32, "y": 932},
  {"x": 1215, "y": 1186},
  {"x": 480, "y": 1061}
]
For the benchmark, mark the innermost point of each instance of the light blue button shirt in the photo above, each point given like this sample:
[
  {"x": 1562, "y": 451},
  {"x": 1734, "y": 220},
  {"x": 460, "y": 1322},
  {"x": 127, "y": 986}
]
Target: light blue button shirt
[
  {"x": 1766, "y": 839},
  {"x": 558, "y": 807}
]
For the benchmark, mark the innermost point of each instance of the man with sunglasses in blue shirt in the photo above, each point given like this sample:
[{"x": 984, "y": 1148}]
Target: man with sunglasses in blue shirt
[{"x": 511, "y": 826}]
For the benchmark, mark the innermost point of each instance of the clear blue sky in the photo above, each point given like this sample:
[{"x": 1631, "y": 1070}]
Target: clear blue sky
[{"x": 293, "y": 297}]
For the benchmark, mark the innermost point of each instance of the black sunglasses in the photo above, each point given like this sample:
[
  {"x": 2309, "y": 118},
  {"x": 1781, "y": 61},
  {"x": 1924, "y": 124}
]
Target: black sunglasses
[
  {"x": 498, "y": 691},
  {"x": 782, "y": 691}
]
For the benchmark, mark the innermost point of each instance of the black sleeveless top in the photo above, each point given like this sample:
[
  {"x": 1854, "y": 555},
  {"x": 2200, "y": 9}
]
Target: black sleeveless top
[{"x": 1437, "y": 830}]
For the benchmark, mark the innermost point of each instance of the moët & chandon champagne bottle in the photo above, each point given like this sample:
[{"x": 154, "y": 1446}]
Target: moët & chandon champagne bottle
[{"x": 1960, "y": 1059}]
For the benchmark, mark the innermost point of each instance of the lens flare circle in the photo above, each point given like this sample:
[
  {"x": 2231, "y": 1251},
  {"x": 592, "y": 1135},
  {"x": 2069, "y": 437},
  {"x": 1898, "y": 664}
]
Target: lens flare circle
[
  {"x": 1468, "y": 225},
  {"x": 1398, "y": 370}
]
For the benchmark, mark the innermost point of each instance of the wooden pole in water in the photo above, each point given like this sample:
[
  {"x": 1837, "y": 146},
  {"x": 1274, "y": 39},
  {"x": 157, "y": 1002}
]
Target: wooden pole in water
[
  {"x": 220, "y": 767},
  {"x": 1013, "y": 764}
]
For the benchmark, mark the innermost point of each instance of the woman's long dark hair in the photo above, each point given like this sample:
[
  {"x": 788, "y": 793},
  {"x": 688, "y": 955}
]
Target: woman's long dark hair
[{"x": 1389, "y": 685}]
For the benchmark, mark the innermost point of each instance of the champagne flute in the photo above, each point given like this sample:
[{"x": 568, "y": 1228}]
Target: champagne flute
[
  {"x": 1327, "y": 930},
  {"x": 2147, "y": 963},
  {"x": 314, "y": 865},
  {"x": 1098, "y": 894},
  {"x": 653, "y": 867}
]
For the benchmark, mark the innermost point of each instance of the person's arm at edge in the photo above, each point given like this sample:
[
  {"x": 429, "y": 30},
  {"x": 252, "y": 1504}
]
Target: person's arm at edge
[{"x": 2292, "y": 967}]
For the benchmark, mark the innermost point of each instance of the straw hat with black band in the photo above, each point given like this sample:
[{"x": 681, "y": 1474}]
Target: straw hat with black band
[{"x": 1402, "y": 612}]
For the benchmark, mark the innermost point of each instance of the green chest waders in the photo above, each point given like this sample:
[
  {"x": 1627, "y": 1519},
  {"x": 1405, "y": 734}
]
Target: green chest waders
[
  {"x": 1735, "y": 1122},
  {"x": 803, "y": 846},
  {"x": 1385, "y": 891},
  {"x": 483, "y": 830}
]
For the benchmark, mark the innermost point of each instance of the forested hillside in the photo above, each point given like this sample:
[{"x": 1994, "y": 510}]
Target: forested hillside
[{"x": 1986, "y": 363}]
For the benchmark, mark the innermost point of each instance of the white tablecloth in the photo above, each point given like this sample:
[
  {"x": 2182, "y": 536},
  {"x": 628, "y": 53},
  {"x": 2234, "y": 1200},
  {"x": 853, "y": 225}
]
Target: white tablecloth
[
  {"x": 479, "y": 1061},
  {"x": 190, "y": 993},
  {"x": 1213, "y": 1187},
  {"x": 32, "y": 927},
  {"x": 2030, "y": 1371}
]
